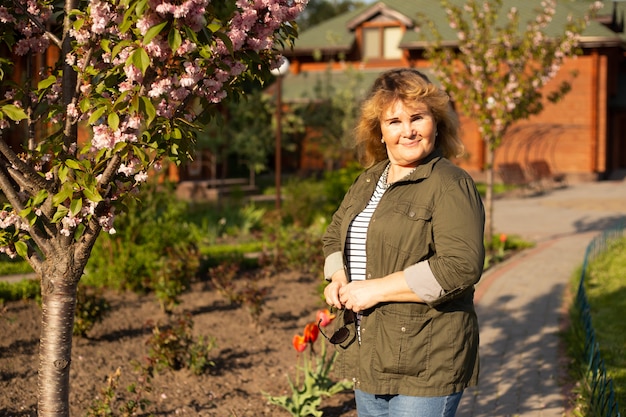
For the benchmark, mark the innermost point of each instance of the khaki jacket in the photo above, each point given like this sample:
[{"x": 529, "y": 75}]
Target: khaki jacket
[{"x": 414, "y": 348}]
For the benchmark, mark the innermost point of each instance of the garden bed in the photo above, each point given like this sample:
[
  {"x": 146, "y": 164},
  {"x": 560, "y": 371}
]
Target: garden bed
[{"x": 249, "y": 358}]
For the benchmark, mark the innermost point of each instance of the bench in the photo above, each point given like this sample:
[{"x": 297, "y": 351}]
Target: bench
[
  {"x": 213, "y": 190},
  {"x": 541, "y": 173},
  {"x": 512, "y": 174}
]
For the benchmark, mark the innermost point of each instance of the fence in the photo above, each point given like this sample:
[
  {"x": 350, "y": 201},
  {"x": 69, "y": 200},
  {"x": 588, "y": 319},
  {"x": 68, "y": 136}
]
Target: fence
[{"x": 602, "y": 401}]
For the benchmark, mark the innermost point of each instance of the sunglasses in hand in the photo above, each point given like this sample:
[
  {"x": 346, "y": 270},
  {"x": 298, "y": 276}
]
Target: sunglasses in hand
[{"x": 342, "y": 333}]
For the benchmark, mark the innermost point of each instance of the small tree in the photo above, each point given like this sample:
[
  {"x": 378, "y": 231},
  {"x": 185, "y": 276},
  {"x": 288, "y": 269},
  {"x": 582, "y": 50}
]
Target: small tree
[
  {"x": 495, "y": 71},
  {"x": 332, "y": 113},
  {"x": 138, "y": 76}
]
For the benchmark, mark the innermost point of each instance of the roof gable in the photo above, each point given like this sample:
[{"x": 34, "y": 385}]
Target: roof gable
[{"x": 375, "y": 12}]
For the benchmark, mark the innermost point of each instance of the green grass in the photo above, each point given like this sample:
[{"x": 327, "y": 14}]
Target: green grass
[
  {"x": 497, "y": 188},
  {"x": 606, "y": 291},
  {"x": 13, "y": 266}
]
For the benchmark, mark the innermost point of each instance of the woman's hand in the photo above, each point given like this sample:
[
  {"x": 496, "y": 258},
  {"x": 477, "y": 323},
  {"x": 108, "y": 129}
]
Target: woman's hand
[
  {"x": 331, "y": 292},
  {"x": 359, "y": 295}
]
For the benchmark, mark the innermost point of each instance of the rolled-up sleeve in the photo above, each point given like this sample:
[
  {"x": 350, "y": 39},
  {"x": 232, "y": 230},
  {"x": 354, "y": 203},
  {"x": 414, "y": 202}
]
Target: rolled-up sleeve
[
  {"x": 332, "y": 264},
  {"x": 458, "y": 231},
  {"x": 422, "y": 281}
]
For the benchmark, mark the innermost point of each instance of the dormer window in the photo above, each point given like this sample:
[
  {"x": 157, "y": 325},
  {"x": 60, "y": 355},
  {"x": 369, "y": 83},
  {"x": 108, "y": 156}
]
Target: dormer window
[{"x": 381, "y": 42}]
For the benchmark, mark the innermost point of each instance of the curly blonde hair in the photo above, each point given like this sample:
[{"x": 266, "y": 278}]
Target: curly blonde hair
[{"x": 408, "y": 85}]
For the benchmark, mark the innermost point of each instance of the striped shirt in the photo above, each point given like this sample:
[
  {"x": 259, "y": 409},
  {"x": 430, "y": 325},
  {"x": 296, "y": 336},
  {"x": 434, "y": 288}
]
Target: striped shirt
[{"x": 357, "y": 234}]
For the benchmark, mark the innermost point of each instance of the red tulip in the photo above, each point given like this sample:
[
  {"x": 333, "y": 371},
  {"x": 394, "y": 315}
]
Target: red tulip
[
  {"x": 299, "y": 343},
  {"x": 502, "y": 238},
  {"x": 311, "y": 332},
  {"x": 324, "y": 317}
]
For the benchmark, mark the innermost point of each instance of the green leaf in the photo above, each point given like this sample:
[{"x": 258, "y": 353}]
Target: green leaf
[
  {"x": 40, "y": 197},
  {"x": 97, "y": 114},
  {"x": 140, "y": 59},
  {"x": 174, "y": 39},
  {"x": 13, "y": 112},
  {"x": 62, "y": 172},
  {"x": 84, "y": 105},
  {"x": 76, "y": 205},
  {"x": 127, "y": 21},
  {"x": 21, "y": 248},
  {"x": 114, "y": 121},
  {"x": 140, "y": 7},
  {"x": 43, "y": 84},
  {"x": 60, "y": 213},
  {"x": 92, "y": 194},
  {"x": 150, "y": 110},
  {"x": 25, "y": 212},
  {"x": 74, "y": 164},
  {"x": 153, "y": 31},
  {"x": 66, "y": 193},
  {"x": 214, "y": 26}
]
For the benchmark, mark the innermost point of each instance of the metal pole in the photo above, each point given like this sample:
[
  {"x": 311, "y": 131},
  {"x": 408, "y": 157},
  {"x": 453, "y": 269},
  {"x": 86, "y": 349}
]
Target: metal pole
[{"x": 279, "y": 94}]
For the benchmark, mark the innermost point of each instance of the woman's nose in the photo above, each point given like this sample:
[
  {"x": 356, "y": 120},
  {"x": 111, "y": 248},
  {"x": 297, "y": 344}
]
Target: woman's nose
[{"x": 408, "y": 130}]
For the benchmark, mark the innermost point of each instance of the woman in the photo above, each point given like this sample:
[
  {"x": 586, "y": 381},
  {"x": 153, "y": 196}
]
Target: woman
[{"x": 404, "y": 251}]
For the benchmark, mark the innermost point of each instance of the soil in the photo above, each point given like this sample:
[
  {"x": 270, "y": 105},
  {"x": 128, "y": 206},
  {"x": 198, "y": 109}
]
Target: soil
[{"x": 251, "y": 357}]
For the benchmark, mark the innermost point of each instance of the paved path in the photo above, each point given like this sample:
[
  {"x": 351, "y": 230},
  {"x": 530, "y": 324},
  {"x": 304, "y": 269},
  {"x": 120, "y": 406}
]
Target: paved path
[{"x": 520, "y": 303}]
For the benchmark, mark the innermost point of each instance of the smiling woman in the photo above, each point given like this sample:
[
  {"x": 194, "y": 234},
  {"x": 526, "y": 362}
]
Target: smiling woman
[{"x": 403, "y": 252}]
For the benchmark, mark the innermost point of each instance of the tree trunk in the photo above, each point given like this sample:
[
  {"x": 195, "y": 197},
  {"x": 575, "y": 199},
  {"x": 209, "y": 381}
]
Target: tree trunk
[
  {"x": 58, "y": 291},
  {"x": 489, "y": 194}
]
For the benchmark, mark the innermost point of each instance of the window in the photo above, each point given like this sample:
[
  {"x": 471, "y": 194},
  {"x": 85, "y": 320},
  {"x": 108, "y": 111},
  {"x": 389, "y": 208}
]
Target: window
[
  {"x": 391, "y": 39},
  {"x": 382, "y": 42}
]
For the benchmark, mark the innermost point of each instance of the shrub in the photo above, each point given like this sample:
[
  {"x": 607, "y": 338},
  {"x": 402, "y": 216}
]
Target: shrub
[
  {"x": 239, "y": 291},
  {"x": 103, "y": 405},
  {"x": 336, "y": 184},
  {"x": 91, "y": 308},
  {"x": 25, "y": 289},
  {"x": 12, "y": 266},
  {"x": 294, "y": 247},
  {"x": 153, "y": 250},
  {"x": 173, "y": 347}
]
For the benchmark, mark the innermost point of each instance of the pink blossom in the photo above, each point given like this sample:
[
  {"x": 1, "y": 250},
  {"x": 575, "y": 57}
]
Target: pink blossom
[
  {"x": 103, "y": 137},
  {"x": 5, "y": 16},
  {"x": 72, "y": 111},
  {"x": 141, "y": 176}
]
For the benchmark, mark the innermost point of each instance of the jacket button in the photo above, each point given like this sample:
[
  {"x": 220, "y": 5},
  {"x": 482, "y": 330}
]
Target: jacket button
[
  {"x": 367, "y": 180},
  {"x": 412, "y": 214},
  {"x": 403, "y": 329}
]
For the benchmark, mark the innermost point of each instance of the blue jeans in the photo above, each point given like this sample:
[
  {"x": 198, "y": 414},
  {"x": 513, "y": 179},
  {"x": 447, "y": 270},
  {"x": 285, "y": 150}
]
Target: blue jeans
[{"x": 370, "y": 405}]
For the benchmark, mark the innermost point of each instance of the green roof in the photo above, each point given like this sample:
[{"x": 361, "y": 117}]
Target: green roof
[
  {"x": 335, "y": 33},
  {"x": 304, "y": 86},
  {"x": 332, "y": 34}
]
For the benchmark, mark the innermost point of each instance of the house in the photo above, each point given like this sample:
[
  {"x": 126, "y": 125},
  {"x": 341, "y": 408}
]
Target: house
[{"x": 582, "y": 136}]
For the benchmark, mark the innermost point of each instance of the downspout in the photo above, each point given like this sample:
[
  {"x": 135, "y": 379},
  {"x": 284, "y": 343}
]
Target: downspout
[{"x": 594, "y": 110}]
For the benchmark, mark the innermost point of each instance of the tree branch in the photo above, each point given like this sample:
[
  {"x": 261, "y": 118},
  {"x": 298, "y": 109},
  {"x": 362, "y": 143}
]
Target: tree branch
[
  {"x": 32, "y": 180},
  {"x": 111, "y": 169},
  {"x": 38, "y": 23},
  {"x": 14, "y": 199}
]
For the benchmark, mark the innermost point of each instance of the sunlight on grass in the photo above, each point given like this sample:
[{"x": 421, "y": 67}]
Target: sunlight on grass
[
  {"x": 13, "y": 266},
  {"x": 606, "y": 291}
]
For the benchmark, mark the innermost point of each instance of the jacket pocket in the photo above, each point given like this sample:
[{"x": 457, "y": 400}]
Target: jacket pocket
[
  {"x": 402, "y": 344},
  {"x": 408, "y": 228}
]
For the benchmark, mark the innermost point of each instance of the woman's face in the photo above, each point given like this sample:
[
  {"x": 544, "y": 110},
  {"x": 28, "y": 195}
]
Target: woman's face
[{"x": 409, "y": 132}]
